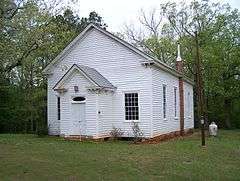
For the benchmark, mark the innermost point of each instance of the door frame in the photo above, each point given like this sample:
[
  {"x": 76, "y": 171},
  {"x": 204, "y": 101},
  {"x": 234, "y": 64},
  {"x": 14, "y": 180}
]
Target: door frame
[{"x": 78, "y": 102}]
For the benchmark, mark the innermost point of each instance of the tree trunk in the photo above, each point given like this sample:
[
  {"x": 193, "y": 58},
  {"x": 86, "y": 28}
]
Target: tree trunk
[
  {"x": 227, "y": 113},
  {"x": 199, "y": 87},
  {"x": 205, "y": 104}
]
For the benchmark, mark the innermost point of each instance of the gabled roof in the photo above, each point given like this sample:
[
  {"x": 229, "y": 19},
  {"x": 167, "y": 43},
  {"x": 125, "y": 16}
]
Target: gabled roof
[
  {"x": 149, "y": 59},
  {"x": 88, "y": 28},
  {"x": 90, "y": 73}
]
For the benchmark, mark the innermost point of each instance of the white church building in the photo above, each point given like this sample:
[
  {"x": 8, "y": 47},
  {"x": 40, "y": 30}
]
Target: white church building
[{"x": 100, "y": 81}]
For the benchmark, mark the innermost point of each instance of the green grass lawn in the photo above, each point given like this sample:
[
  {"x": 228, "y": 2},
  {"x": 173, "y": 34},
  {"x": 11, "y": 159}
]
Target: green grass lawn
[{"x": 27, "y": 157}]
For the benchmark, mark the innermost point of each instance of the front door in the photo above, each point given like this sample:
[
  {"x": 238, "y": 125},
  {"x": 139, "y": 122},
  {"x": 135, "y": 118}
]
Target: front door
[{"x": 78, "y": 114}]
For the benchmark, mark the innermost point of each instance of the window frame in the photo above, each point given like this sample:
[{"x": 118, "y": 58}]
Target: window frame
[
  {"x": 189, "y": 112},
  {"x": 164, "y": 101},
  {"x": 124, "y": 106},
  {"x": 78, "y": 102},
  {"x": 58, "y": 108},
  {"x": 175, "y": 102}
]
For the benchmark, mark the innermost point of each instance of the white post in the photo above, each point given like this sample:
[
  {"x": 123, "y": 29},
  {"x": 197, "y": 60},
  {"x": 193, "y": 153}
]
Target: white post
[{"x": 179, "y": 54}]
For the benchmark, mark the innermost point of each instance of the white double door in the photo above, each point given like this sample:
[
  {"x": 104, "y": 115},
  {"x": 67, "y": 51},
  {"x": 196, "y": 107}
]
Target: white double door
[{"x": 79, "y": 121}]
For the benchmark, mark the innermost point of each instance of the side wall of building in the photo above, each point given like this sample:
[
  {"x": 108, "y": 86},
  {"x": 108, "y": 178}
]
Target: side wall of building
[
  {"x": 189, "y": 107},
  {"x": 171, "y": 123}
]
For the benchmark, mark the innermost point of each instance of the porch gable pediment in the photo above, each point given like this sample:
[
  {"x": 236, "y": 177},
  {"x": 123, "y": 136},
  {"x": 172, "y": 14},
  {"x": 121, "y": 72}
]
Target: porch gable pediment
[{"x": 92, "y": 75}]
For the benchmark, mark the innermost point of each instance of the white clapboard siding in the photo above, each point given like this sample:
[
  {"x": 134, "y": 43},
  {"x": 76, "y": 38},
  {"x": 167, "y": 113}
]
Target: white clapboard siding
[
  {"x": 53, "y": 123},
  {"x": 120, "y": 66},
  {"x": 188, "y": 102},
  {"x": 161, "y": 126},
  {"x": 105, "y": 113},
  {"x": 77, "y": 79}
]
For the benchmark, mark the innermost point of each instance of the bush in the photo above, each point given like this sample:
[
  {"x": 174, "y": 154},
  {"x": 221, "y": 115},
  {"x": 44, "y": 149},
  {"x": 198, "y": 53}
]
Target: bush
[
  {"x": 42, "y": 131},
  {"x": 116, "y": 133},
  {"x": 137, "y": 133}
]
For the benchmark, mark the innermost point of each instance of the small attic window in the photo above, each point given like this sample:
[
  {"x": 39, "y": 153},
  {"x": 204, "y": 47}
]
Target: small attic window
[
  {"x": 75, "y": 88},
  {"x": 79, "y": 99}
]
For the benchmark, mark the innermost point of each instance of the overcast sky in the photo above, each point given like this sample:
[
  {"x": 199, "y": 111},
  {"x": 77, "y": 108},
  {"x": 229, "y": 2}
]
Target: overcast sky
[{"x": 118, "y": 12}]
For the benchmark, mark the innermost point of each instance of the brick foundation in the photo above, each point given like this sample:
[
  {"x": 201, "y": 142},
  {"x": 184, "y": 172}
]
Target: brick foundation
[
  {"x": 83, "y": 138},
  {"x": 168, "y": 136},
  {"x": 154, "y": 140}
]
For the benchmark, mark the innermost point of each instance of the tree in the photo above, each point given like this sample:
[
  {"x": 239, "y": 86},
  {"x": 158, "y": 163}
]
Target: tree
[
  {"x": 156, "y": 38},
  {"x": 209, "y": 35},
  {"x": 93, "y": 18},
  {"x": 31, "y": 37},
  {"x": 222, "y": 71}
]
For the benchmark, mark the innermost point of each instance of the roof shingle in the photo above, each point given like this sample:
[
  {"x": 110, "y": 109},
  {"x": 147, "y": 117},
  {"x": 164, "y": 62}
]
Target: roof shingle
[{"x": 95, "y": 76}]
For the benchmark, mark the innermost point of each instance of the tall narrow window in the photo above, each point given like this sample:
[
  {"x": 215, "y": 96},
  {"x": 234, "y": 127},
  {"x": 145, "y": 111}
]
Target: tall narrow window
[
  {"x": 189, "y": 104},
  {"x": 58, "y": 108},
  {"x": 131, "y": 106},
  {"x": 175, "y": 102},
  {"x": 164, "y": 101}
]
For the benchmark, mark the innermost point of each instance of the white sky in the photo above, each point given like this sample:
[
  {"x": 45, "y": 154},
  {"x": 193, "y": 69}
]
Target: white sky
[{"x": 118, "y": 12}]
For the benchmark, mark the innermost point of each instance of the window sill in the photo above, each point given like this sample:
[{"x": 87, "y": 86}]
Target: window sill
[
  {"x": 78, "y": 102},
  {"x": 131, "y": 121}
]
